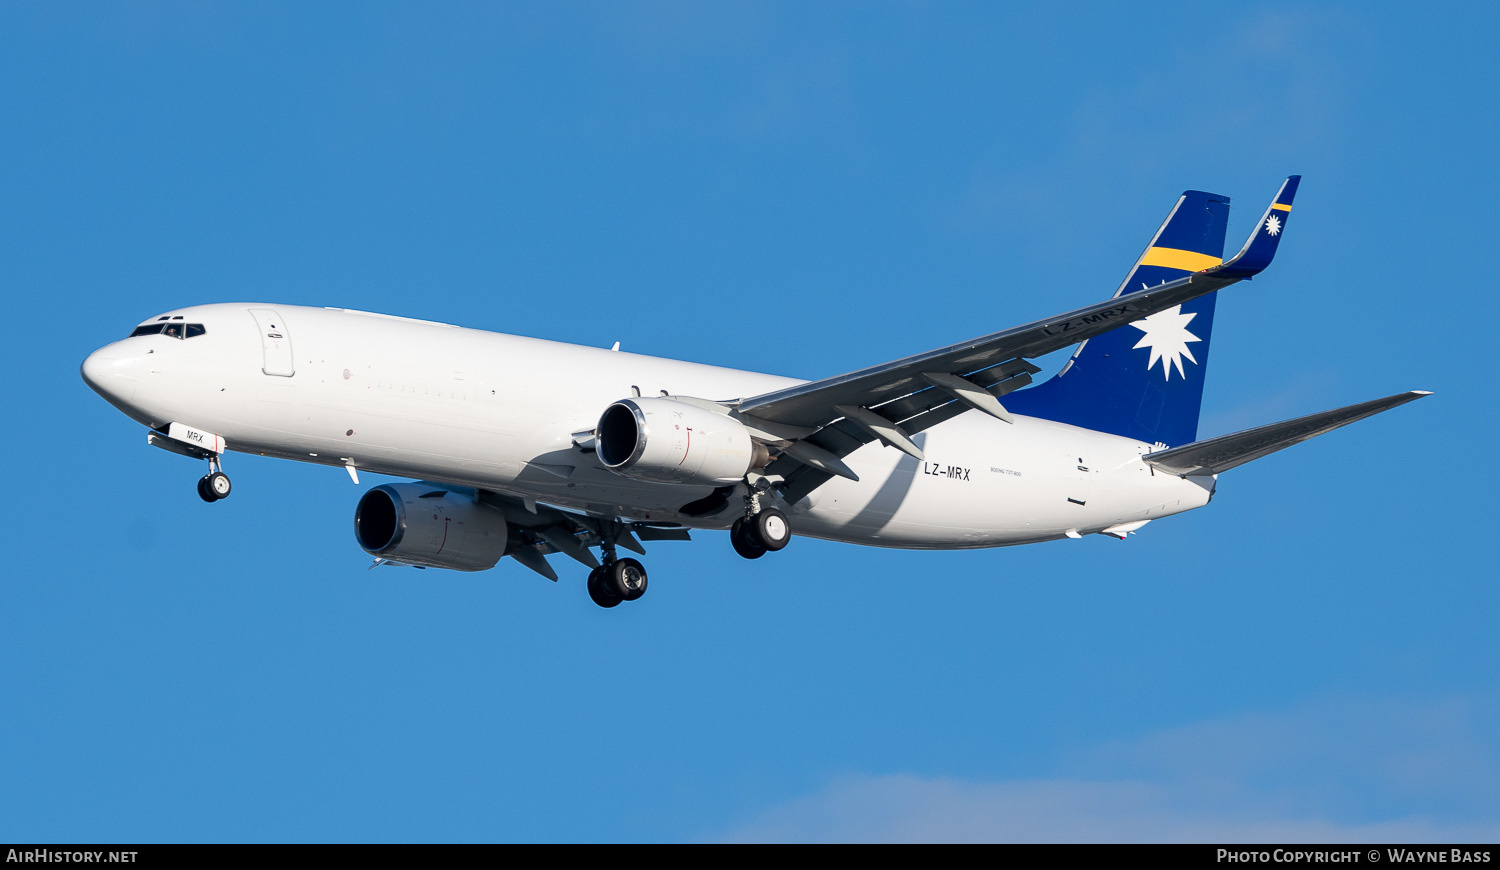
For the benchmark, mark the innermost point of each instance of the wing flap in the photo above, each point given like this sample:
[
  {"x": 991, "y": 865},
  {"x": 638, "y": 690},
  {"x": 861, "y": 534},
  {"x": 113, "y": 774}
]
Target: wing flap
[
  {"x": 916, "y": 413},
  {"x": 1217, "y": 455}
]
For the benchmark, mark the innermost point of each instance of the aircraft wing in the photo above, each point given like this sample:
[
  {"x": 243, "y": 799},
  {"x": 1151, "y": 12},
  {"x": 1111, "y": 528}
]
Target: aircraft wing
[
  {"x": 811, "y": 404},
  {"x": 825, "y": 420},
  {"x": 1216, "y": 455}
]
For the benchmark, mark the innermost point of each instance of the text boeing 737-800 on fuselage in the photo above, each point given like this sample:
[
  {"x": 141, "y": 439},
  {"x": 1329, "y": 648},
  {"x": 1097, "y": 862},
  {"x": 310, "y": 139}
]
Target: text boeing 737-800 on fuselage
[{"x": 595, "y": 448}]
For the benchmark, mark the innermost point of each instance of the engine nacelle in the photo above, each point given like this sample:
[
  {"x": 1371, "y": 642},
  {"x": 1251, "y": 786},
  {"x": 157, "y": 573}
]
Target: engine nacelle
[
  {"x": 430, "y": 526},
  {"x": 668, "y": 441}
]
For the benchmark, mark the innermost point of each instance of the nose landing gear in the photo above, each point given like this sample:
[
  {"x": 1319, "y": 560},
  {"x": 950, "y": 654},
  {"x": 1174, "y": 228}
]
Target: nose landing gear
[
  {"x": 187, "y": 441},
  {"x": 215, "y": 484}
]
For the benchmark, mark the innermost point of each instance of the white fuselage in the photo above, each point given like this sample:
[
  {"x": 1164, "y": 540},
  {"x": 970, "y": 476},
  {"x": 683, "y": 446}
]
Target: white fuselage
[{"x": 499, "y": 412}]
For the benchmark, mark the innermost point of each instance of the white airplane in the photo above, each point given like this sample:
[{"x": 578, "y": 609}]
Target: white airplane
[{"x": 525, "y": 448}]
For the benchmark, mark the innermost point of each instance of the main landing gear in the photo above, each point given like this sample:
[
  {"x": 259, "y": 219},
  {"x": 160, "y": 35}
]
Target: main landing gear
[
  {"x": 760, "y": 530},
  {"x": 215, "y": 484},
  {"x": 617, "y": 579},
  {"x": 620, "y": 580}
]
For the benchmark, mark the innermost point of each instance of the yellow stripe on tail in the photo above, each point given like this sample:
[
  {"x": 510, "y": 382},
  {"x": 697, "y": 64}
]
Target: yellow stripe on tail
[{"x": 1173, "y": 258}]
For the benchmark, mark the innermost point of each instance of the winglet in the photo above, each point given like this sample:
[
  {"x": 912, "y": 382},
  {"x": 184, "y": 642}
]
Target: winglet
[{"x": 1261, "y": 246}]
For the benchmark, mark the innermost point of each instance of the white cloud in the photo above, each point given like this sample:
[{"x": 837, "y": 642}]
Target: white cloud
[
  {"x": 912, "y": 809},
  {"x": 1345, "y": 771}
]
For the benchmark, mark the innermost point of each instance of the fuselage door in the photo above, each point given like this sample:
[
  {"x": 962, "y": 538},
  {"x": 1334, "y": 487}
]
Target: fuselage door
[{"x": 275, "y": 341}]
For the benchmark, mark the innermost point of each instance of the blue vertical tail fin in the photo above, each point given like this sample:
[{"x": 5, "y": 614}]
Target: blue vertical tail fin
[{"x": 1145, "y": 380}]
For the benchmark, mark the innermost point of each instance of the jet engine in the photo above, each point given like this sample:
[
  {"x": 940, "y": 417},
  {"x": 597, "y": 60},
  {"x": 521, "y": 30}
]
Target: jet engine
[
  {"x": 426, "y": 525},
  {"x": 667, "y": 440}
]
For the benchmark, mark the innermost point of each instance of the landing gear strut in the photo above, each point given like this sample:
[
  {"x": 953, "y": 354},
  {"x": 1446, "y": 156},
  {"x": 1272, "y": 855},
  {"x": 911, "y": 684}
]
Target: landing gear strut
[
  {"x": 617, "y": 579},
  {"x": 215, "y": 484}
]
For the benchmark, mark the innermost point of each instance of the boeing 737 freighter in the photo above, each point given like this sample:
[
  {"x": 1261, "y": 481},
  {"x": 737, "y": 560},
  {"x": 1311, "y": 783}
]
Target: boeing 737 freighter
[{"x": 527, "y": 448}]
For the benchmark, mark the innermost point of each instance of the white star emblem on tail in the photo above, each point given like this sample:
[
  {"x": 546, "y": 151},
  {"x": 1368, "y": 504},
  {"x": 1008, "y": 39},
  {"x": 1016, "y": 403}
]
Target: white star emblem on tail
[
  {"x": 1273, "y": 225},
  {"x": 1167, "y": 337}
]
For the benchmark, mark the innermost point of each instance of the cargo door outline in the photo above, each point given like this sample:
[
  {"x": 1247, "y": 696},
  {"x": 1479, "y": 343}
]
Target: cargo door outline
[
  {"x": 275, "y": 342},
  {"x": 1075, "y": 469}
]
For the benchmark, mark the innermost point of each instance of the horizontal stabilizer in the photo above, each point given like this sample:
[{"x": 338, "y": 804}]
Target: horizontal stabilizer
[{"x": 1217, "y": 455}]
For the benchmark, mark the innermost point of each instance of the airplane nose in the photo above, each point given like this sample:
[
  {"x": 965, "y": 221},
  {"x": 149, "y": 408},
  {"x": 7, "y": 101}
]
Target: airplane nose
[{"x": 110, "y": 375}]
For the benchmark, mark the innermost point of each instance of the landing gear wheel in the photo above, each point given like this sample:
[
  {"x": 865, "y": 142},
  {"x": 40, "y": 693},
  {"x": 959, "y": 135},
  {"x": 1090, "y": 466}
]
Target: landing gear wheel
[
  {"x": 626, "y": 578},
  {"x": 599, "y": 589},
  {"x": 772, "y": 529},
  {"x": 217, "y": 485},
  {"x": 203, "y": 492},
  {"x": 740, "y": 539}
]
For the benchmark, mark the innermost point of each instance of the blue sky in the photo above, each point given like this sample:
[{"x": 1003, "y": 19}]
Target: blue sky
[{"x": 795, "y": 188}]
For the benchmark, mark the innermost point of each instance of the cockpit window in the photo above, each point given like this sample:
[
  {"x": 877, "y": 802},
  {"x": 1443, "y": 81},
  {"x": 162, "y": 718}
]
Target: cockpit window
[{"x": 175, "y": 330}]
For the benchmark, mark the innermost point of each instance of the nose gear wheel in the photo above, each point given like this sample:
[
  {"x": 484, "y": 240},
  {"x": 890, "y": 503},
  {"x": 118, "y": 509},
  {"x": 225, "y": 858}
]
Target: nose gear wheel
[{"x": 214, "y": 485}]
